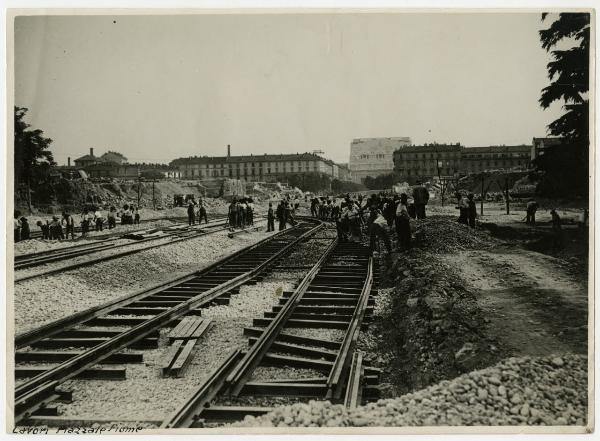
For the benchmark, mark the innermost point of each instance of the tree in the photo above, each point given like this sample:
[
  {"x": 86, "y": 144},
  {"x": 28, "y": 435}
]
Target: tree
[
  {"x": 566, "y": 167},
  {"x": 33, "y": 159}
]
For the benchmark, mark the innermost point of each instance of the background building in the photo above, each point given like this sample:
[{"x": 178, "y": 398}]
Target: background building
[
  {"x": 255, "y": 168},
  {"x": 505, "y": 157},
  {"x": 423, "y": 161},
  {"x": 427, "y": 161},
  {"x": 373, "y": 156},
  {"x": 87, "y": 160},
  {"x": 115, "y": 157}
]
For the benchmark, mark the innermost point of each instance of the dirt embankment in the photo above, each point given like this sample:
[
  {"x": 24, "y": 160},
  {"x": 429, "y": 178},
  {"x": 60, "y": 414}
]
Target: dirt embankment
[{"x": 462, "y": 300}]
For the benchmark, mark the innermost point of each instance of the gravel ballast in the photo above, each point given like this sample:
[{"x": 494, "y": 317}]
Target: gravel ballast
[
  {"x": 44, "y": 299},
  {"x": 517, "y": 391},
  {"x": 144, "y": 395}
]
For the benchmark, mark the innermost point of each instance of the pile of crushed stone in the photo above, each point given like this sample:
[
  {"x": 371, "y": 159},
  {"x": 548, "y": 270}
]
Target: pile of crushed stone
[
  {"x": 517, "y": 391},
  {"x": 445, "y": 235}
]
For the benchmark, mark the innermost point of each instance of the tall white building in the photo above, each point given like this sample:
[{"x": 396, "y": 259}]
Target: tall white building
[{"x": 374, "y": 156}]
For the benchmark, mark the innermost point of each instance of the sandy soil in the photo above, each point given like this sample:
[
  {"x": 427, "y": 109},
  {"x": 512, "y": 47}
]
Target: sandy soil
[{"x": 535, "y": 306}]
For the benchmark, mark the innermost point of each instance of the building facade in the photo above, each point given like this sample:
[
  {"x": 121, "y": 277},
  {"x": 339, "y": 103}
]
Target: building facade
[
  {"x": 259, "y": 168},
  {"x": 509, "y": 157},
  {"x": 373, "y": 156},
  {"x": 427, "y": 161}
]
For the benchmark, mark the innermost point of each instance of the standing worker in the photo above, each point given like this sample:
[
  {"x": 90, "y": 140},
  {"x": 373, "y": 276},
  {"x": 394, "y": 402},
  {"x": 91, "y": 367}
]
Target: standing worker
[
  {"x": 403, "y": 223},
  {"x": 232, "y": 215},
  {"x": 281, "y": 216},
  {"x": 136, "y": 216},
  {"x": 190, "y": 213},
  {"x": 25, "y": 232},
  {"x": 532, "y": 207},
  {"x": 85, "y": 223},
  {"x": 202, "y": 213},
  {"x": 250, "y": 212},
  {"x": 420, "y": 198},
  {"x": 472, "y": 210},
  {"x": 69, "y": 225},
  {"x": 270, "y": 218},
  {"x": 463, "y": 208},
  {"x": 99, "y": 220},
  {"x": 112, "y": 218}
]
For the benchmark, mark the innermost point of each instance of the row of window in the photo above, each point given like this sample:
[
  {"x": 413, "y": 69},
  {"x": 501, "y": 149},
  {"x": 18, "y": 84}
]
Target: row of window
[
  {"x": 409, "y": 156},
  {"x": 449, "y": 171},
  {"x": 376, "y": 155}
]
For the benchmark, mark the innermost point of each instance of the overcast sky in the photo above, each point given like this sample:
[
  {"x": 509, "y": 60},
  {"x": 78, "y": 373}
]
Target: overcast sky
[{"x": 160, "y": 87}]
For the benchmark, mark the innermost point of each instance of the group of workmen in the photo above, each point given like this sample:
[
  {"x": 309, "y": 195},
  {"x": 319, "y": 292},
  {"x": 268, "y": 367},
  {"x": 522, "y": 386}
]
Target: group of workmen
[
  {"x": 194, "y": 214},
  {"x": 60, "y": 227},
  {"x": 240, "y": 213}
]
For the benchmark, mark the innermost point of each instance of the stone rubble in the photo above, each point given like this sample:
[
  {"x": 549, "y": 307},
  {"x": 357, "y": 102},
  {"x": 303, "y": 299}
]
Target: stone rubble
[{"x": 517, "y": 391}]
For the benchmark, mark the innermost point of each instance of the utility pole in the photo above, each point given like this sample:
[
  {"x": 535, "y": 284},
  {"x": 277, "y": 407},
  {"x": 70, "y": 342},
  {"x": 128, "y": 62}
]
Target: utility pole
[
  {"x": 482, "y": 191},
  {"x": 138, "y": 188},
  {"x": 153, "y": 200},
  {"x": 506, "y": 190}
]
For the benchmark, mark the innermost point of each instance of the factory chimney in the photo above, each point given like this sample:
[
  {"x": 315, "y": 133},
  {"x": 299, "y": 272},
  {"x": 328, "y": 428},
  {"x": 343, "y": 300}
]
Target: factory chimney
[
  {"x": 91, "y": 151},
  {"x": 228, "y": 151},
  {"x": 69, "y": 161}
]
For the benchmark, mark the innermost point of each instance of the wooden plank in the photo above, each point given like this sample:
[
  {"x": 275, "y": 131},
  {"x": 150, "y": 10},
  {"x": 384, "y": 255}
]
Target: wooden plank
[
  {"x": 200, "y": 330},
  {"x": 170, "y": 357},
  {"x": 183, "y": 359},
  {"x": 184, "y": 324}
]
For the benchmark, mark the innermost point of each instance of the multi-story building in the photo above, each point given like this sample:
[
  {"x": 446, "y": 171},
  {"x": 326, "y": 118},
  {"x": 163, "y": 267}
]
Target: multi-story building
[
  {"x": 424, "y": 162},
  {"x": 261, "y": 168},
  {"x": 373, "y": 156},
  {"x": 505, "y": 157},
  {"x": 538, "y": 145}
]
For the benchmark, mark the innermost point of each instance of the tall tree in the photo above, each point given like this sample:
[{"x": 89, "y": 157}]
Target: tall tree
[
  {"x": 568, "y": 72},
  {"x": 33, "y": 159}
]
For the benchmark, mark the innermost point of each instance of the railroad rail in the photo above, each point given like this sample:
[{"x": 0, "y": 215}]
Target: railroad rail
[
  {"x": 37, "y": 234},
  {"x": 172, "y": 236},
  {"x": 91, "y": 246},
  {"x": 331, "y": 295},
  {"x": 142, "y": 315}
]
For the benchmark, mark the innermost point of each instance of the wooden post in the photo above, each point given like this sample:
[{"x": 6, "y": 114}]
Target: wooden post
[
  {"x": 153, "y": 200},
  {"x": 482, "y": 193},
  {"x": 507, "y": 201},
  {"x": 138, "y": 191}
]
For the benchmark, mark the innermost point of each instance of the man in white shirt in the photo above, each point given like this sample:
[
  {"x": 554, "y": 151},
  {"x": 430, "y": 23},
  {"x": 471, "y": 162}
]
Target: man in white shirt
[{"x": 378, "y": 230}]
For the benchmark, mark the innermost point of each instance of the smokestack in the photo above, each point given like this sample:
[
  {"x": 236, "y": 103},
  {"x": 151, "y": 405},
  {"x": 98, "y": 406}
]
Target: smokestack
[
  {"x": 228, "y": 150},
  {"x": 69, "y": 161},
  {"x": 91, "y": 151}
]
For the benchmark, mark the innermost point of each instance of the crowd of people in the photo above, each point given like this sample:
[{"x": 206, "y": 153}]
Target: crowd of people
[
  {"x": 240, "y": 213},
  {"x": 63, "y": 226}
]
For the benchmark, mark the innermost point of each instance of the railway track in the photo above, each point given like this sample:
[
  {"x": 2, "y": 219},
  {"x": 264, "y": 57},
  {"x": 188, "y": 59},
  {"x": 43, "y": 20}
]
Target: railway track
[
  {"x": 84, "y": 345},
  {"x": 37, "y": 234},
  {"x": 171, "y": 235},
  {"x": 336, "y": 293}
]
